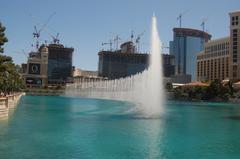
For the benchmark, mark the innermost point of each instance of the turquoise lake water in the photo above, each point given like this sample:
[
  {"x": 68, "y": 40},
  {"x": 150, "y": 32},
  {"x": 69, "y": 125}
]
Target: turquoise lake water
[{"x": 74, "y": 128}]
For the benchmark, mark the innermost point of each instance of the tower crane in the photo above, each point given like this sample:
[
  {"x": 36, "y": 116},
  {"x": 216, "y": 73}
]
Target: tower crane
[
  {"x": 203, "y": 29},
  {"x": 203, "y": 24},
  {"x": 22, "y": 52},
  {"x": 25, "y": 53},
  {"x": 110, "y": 44},
  {"x": 116, "y": 40},
  {"x": 180, "y": 18},
  {"x": 138, "y": 40},
  {"x": 164, "y": 46},
  {"x": 55, "y": 38},
  {"x": 37, "y": 32},
  {"x": 132, "y": 35}
]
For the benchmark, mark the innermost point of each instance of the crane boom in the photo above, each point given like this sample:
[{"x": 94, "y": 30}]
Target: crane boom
[
  {"x": 203, "y": 24},
  {"x": 180, "y": 17},
  {"x": 37, "y": 32},
  {"x": 138, "y": 40}
]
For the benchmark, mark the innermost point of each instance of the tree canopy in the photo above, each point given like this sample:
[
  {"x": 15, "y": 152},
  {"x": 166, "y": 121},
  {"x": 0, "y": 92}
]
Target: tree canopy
[
  {"x": 217, "y": 90},
  {"x": 10, "y": 79},
  {"x": 3, "y": 38}
]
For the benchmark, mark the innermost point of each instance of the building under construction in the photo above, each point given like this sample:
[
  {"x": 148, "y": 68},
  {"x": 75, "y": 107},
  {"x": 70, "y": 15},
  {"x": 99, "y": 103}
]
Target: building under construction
[
  {"x": 126, "y": 62},
  {"x": 49, "y": 65},
  {"x": 60, "y": 68}
]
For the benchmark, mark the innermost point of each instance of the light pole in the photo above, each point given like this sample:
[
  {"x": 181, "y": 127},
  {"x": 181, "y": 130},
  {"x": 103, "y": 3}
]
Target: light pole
[{"x": 6, "y": 74}]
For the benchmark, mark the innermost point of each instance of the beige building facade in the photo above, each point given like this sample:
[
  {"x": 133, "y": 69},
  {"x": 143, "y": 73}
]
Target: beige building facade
[
  {"x": 235, "y": 46},
  {"x": 36, "y": 68},
  {"x": 221, "y": 57},
  {"x": 213, "y": 62},
  {"x": 84, "y": 73}
]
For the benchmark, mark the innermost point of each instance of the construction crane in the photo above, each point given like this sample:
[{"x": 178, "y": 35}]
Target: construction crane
[
  {"x": 25, "y": 53},
  {"x": 110, "y": 44},
  {"x": 203, "y": 24},
  {"x": 132, "y": 35},
  {"x": 55, "y": 38},
  {"x": 180, "y": 18},
  {"x": 203, "y": 29},
  {"x": 22, "y": 52},
  {"x": 138, "y": 41},
  {"x": 37, "y": 32},
  {"x": 116, "y": 40},
  {"x": 165, "y": 47}
]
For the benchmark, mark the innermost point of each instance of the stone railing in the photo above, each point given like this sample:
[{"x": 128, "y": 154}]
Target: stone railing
[
  {"x": 3, "y": 107},
  {"x": 8, "y": 102}
]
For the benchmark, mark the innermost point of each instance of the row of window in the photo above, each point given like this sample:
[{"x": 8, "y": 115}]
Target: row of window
[
  {"x": 218, "y": 47},
  {"x": 216, "y": 54},
  {"x": 235, "y": 68},
  {"x": 235, "y": 46},
  {"x": 126, "y": 59},
  {"x": 235, "y": 20},
  {"x": 213, "y": 69}
]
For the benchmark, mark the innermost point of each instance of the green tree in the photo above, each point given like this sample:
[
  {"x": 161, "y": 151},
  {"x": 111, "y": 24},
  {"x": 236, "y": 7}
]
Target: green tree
[
  {"x": 214, "y": 89},
  {"x": 10, "y": 79},
  {"x": 3, "y": 38},
  {"x": 217, "y": 89},
  {"x": 169, "y": 87}
]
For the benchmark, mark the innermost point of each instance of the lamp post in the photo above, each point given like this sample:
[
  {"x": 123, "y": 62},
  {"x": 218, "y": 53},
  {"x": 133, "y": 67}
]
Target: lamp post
[{"x": 6, "y": 75}]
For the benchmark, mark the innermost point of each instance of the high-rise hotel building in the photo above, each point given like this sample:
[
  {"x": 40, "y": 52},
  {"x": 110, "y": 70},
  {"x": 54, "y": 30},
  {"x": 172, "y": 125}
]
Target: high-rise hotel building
[
  {"x": 213, "y": 62},
  {"x": 235, "y": 46},
  {"x": 220, "y": 58},
  {"x": 186, "y": 44}
]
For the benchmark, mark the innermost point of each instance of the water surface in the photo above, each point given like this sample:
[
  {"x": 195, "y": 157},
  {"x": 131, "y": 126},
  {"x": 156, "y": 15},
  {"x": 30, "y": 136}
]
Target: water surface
[{"x": 60, "y": 127}]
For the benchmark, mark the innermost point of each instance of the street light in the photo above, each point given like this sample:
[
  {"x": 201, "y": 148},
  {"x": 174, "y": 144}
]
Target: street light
[{"x": 6, "y": 75}]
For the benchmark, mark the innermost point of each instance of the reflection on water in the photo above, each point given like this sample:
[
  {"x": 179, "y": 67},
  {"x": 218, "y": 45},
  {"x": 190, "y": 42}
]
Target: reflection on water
[
  {"x": 101, "y": 129},
  {"x": 155, "y": 138}
]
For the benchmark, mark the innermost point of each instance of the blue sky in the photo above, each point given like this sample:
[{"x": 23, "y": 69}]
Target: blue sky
[{"x": 85, "y": 24}]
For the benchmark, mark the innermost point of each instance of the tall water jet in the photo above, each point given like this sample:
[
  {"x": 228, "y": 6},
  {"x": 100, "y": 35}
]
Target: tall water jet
[
  {"x": 144, "y": 89},
  {"x": 151, "y": 95},
  {"x": 155, "y": 82}
]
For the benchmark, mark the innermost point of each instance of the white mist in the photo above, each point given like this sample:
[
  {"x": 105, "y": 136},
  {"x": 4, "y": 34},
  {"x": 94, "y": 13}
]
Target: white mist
[{"x": 145, "y": 89}]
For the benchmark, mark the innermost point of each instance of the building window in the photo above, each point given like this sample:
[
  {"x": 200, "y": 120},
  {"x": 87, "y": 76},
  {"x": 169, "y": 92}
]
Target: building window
[
  {"x": 204, "y": 68},
  {"x": 234, "y": 68},
  {"x": 234, "y": 74}
]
